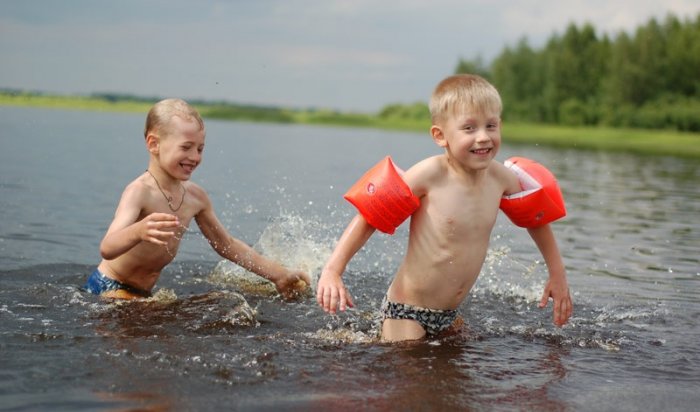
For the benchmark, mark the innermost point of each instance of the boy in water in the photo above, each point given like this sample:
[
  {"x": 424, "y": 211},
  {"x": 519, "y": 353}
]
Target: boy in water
[
  {"x": 157, "y": 207},
  {"x": 459, "y": 194}
]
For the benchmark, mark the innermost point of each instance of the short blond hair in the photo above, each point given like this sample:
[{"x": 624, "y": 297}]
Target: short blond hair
[
  {"x": 464, "y": 92},
  {"x": 158, "y": 118}
]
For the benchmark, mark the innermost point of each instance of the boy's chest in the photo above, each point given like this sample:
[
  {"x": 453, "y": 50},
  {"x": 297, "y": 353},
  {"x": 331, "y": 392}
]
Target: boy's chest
[
  {"x": 463, "y": 210},
  {"x": 185, "y": 213}
]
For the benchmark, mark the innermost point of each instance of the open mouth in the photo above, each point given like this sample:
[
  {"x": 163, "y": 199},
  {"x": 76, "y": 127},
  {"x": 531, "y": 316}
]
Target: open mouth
[{"x": 481, "y": 151}]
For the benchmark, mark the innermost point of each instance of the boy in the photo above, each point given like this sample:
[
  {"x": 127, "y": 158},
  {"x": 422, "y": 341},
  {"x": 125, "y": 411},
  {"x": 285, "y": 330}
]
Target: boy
[
  {"x": 459, "y": 194},
  {"x": 157, "y": 207}
]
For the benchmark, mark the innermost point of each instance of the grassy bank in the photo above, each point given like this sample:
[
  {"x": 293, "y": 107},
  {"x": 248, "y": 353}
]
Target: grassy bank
[
  {"x": 640, "y": 141},
  {"x": 651, "y": 142}
]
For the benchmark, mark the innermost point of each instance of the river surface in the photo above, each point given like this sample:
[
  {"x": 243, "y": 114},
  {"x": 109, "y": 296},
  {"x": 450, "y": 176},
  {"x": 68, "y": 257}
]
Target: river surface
[{"x": 213, "y": 339}]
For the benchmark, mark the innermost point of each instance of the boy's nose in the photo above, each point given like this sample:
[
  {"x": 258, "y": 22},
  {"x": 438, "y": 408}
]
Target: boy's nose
[
  {"x": 195, "y": 155},
  {"x": 482, "y": 136}
]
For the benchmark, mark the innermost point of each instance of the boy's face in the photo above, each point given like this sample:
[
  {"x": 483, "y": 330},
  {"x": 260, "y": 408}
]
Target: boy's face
[
  {"x": 471, "y": 137},
  {"x": 180, "y": 147}
]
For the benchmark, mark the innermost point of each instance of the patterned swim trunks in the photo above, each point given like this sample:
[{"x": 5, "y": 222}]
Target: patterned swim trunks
[
  {"x": 98, "y": 283},
  {"x": 433, "y": 321}
]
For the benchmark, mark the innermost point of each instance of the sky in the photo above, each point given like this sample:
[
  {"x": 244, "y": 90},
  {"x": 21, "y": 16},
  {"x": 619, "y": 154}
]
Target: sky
[{"x": 353, "y": 55}]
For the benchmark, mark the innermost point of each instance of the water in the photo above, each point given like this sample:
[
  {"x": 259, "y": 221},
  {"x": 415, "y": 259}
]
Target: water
[{"x": 212, "y": 338}]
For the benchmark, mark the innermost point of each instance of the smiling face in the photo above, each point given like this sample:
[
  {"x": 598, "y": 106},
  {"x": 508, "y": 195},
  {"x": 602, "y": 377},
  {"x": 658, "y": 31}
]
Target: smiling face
[
  {"x": 470, "y": 138},
  {"x": 179, "y": 147},
  {"x": 466, "y": 114}
]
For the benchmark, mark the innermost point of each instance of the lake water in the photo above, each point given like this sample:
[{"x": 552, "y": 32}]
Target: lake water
[{"x": 210, "y": 340}]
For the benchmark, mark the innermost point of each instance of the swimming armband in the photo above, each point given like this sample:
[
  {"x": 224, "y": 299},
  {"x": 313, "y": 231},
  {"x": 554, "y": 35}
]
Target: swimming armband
[
  {"x": 540, "y": 202},
  {"x": 382, "y": 197}
]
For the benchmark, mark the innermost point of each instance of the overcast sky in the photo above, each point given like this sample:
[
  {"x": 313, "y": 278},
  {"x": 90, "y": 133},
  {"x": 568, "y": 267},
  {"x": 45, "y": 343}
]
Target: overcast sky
[{"x": 354, "y": 55}]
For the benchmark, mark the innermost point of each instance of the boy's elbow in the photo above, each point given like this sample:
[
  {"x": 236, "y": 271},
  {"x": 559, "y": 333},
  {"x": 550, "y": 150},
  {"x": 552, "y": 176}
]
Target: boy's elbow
[
  {"x": 539, "y": 230},
  {"x": 106, "y": 252},
  {"x": 106, "y": 255}
]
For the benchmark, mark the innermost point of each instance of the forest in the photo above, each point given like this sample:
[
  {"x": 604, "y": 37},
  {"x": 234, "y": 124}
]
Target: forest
[
  {"x": 647, "y": 79},
  {"x": 634, "y": 92}
]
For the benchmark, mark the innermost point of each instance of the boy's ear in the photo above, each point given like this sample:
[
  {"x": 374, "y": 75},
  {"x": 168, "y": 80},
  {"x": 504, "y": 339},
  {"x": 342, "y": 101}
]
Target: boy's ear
[
  {"x": 438, "y": 136},
  {"x": 152, "y": 144}
]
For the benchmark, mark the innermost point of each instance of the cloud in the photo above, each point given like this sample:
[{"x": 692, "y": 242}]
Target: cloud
[{"x": 356, "y": 55}]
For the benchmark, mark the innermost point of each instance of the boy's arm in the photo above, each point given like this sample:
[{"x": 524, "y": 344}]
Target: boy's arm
[
  {"x": 244, "y": 255},
  {"x": 331, "y": 293},
  {"x": 557, "y": 287},
  {"x": 126, "y": 231}
]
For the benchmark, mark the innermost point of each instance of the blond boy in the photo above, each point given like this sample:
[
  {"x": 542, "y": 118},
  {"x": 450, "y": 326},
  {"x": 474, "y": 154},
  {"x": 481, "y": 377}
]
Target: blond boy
[
  {"x": 158, "y": 206},
  {"x": 459, "y": 194}
]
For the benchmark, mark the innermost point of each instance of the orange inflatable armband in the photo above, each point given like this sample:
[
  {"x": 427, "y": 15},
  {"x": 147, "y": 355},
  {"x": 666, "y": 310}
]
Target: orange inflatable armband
[
  {"x": 540, "y": 201},
  {"x": 382, "y": 197}
]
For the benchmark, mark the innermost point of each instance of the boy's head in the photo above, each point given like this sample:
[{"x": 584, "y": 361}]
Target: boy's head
[
  {"x": 158, "y": 120},
  {"x": 464, "y": 92}
]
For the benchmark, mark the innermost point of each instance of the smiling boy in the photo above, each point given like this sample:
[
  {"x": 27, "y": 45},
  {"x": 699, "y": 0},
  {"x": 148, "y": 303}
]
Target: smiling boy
[
  {"x": 459, "y": 194},
  {"x": 157, "y": 207}
]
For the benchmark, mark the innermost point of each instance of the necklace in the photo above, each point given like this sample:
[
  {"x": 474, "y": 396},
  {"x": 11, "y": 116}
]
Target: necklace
[{"x": 169, "y": 199}]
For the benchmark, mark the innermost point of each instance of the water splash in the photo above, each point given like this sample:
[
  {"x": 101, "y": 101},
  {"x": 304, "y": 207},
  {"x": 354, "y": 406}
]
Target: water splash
[
  {"x": 293, "y": 240},
  {"x": 508, "y": 277},
  {"x": 504, "y": 302}
]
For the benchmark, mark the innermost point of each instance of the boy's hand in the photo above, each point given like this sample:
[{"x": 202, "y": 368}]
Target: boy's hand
[
  {"x": 293, "y": 285},
  {"x": 155, "y": 228},
  {"x": 563, "y": 306},
  {"x": 331, "y": 293}
]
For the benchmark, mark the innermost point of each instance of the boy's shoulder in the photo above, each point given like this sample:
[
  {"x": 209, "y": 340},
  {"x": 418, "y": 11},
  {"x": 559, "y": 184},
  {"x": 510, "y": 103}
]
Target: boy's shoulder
[
  {"x": 431, "y": 165},
  {"x": 197, "y": 194},
  {"x": 424, "y": 173},
  {"x": 137, "y": 187},
  {"x": 195, "y": 189},
  {"x": 505, "y": 177}
]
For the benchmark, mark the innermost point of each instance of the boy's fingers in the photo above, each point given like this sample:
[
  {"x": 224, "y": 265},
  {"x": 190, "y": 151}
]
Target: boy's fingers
[
  {"x": 350, "y": 302},
  {"x": 155, "y": 240},
  {"x": 568, "y": 308},
  {"x": 163, "y": 216},
  {"x": 324, "y": 298},
  {"x": 319, "y": 295},
  {"x": 563, "y": 311},
  {"x": 333, "y": 301},
  {"x": 557, "y": 312}
]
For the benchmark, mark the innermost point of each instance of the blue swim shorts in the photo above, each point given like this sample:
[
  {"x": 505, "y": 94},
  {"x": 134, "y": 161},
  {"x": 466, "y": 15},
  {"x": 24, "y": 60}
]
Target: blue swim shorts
[{"x": 98, "y": 283}]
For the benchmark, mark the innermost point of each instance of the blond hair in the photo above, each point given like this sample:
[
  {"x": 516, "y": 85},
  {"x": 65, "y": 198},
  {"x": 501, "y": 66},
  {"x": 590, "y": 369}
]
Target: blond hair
[
  {"x": 158, "y": 118},
  {"x": 464, "y": 92}
]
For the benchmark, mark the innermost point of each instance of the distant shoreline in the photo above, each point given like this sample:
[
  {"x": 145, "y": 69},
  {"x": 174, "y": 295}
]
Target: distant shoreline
[{"x": 640, "y": 141}]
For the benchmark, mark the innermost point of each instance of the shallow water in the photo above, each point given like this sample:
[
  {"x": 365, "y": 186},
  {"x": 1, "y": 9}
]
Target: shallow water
[{"x": 212, "y": 338}]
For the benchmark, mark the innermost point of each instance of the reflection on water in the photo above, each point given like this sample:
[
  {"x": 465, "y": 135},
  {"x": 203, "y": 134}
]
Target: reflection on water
[{"x": 213, "y": 337}]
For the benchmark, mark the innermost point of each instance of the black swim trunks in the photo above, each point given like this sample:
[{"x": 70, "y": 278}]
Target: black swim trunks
[{"x": 433, "y": 321}]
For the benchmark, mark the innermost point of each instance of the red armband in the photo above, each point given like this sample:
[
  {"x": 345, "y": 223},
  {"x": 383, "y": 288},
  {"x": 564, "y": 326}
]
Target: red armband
[
  {"x": 382, "y": 197},
  {"x": 540, "y": 202}
]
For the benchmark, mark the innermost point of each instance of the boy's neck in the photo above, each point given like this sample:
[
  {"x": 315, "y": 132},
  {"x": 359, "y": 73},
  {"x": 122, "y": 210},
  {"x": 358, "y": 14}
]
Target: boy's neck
[
  {"x": 165, "y": 180},
  {"x": 469, "y": 176}
]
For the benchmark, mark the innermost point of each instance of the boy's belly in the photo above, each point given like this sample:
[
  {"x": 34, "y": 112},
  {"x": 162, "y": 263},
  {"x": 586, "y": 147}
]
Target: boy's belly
[{"x": 435, "y": 284}]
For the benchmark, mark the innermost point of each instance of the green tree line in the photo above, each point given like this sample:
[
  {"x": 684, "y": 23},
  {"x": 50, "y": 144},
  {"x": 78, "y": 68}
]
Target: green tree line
[
  {"x": 647, "y": 79},
  {"x": 650, "y": 79}
]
